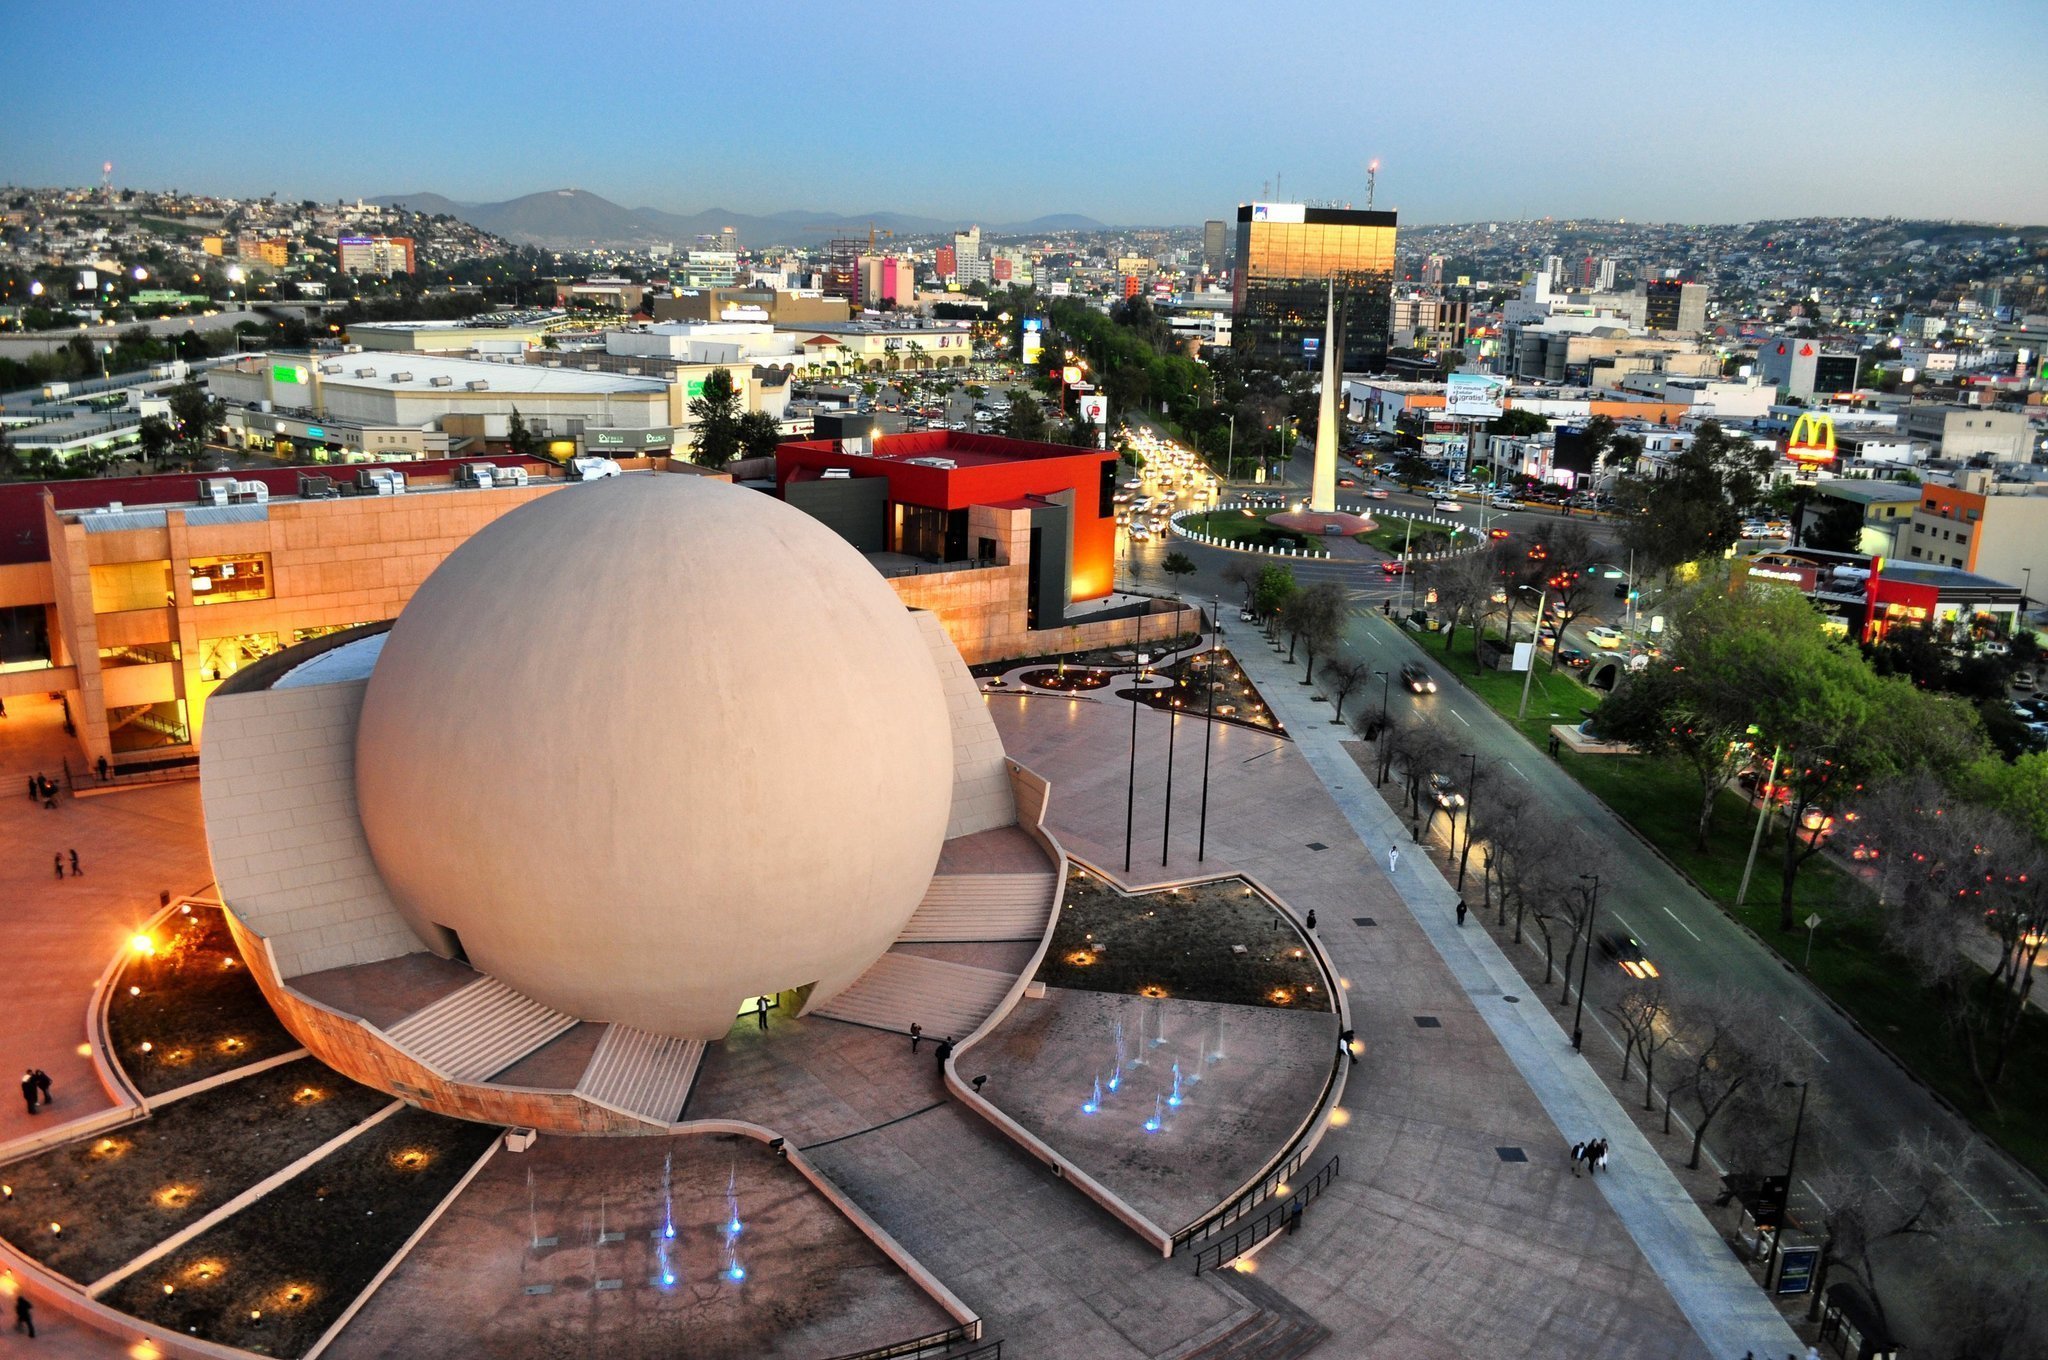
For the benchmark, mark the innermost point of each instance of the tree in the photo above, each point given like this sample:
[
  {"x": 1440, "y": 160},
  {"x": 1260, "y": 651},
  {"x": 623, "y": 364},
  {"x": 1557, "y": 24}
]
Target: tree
[
  {"x": 522, "y": 439},
  {"x": 154, "y": 439},
  {"x": 1177, "y": 564},
  {"x": 1463, "y": 586},
  {"x": 1730, "y": 1044},
  {"x": 1343, "y": 676},
  {"x": 1569, "y": 554},
  {"x": 1517, "y": 420},
  {"x": 1913, "y": 1192},
  {"x": 195, "y": 415},
  {"x": 1274, "y": 588},
  {"x": 1026, "y": 418},
  {"x": 1644, "y": 1016},
  {"x": 1410, "y": 470},
  {"x": 1315, "y": 617},
  {"x": 1694, "y": 510},
  {"x": 1839, "y": 528},
  {"x": 716, "y": 440},
  {"x": 1242, "y": 572},
  {"x": 758, "y": 435}
]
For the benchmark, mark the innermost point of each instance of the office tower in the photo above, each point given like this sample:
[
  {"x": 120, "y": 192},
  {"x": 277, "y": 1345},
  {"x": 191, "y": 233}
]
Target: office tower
[
  {"x": 1670, "y": 305},
  {"x": 1286, "y": 254},
  {"x": 1215, "y": 241}
]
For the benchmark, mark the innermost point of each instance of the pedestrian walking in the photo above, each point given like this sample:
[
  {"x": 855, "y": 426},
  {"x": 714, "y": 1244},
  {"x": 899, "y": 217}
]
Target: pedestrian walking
[
  {"x": 102, "y": 768},
  {"x": 1346, "y": 1044},
  {"x": 75, "y": 873},
  {"x": 1578, "y": 1155},
  {"x": 28, "y": 1090},
  {"x": 761, "y": 1011},
  {"x": 1311, "y": 918},
  {"x": 1553, "y": 743},
  {"x": 24, "y": 1316},
  {"x": 943, "y": 1052},
  {"x": 42, "y": 1081},
  {"x": 916, "y": 1035},
  {"x": 60, "y": 866},
  {"x": 1393, "y": 858},
  {"x": 1461, "y": 913}
]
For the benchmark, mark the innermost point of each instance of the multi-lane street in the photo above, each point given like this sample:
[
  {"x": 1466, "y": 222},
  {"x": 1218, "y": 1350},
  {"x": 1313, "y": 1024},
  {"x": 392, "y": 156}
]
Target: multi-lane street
[{"x": 1871, "y": 1101}]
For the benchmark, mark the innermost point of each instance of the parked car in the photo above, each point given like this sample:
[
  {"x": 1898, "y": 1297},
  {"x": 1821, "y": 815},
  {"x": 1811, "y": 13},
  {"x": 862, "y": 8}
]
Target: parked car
[
  {"x": 1605, "y": 638},
  {"x": 1624, "y": 950},
  {"x": 1418, "y": 680}
]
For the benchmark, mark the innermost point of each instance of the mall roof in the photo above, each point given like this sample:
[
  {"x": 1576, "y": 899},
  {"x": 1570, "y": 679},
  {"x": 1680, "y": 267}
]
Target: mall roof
[
  {"x": 1866, "y": 491},
  {"x": 377, "y": 368}
]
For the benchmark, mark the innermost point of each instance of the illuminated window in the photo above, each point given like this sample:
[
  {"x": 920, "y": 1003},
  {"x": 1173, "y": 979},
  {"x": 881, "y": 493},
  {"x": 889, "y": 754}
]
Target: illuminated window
[{"x": 223, "y": 580}]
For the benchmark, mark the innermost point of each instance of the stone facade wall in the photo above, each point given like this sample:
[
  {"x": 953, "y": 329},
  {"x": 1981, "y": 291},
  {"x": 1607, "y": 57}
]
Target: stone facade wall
[
  {"x": 279, "y": 791},
  {"x": 364, "y": 1054},
  {"x": 981, "y": 780}
]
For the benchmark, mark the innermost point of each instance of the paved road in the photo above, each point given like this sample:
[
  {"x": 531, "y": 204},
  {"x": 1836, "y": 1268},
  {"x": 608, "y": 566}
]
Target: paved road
[{"x": 1871, "y": 1100}]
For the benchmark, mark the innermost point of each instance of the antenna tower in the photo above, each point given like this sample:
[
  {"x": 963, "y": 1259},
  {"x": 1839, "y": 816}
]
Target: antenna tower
[
  {"x": 1372, "y": 174},
  {"x": 107, "y": 180}
]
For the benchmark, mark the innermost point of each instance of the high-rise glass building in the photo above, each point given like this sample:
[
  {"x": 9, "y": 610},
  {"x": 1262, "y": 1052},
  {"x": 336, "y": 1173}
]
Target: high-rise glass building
[{"x": 1286, "y": 255}]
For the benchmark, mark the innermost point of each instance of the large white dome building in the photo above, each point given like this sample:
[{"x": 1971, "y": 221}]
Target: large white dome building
[{"x": 654, "y": 747}]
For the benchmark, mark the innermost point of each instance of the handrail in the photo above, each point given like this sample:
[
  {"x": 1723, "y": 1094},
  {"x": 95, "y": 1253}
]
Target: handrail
[
  {"x": 922, "y": 1346},
  {"x": 1268, "y": 1223}
]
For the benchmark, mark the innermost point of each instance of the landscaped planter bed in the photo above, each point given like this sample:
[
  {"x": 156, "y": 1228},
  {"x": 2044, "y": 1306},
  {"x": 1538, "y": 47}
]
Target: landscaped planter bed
[
  {"x": 193, "y": 1002},
  {"x": 274, "y": 1277},
  {"x": 119, "y": 1193},
  {"x": 1237, "y": 699},
  {"x": 1178, "y": 943}
]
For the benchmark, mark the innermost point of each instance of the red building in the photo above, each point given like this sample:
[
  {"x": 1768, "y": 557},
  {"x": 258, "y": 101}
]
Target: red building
[
  {"x": 946, "y": 264},
  {"x": 967, "y": 500}
]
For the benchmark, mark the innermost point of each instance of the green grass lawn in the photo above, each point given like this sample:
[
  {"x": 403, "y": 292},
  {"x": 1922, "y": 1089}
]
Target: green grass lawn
[
  {"x": 1250, "y": 529},
  {"x": 1392, "y": 533},
  {"x": 1850, "y": 963},
  {"x": 1554, "y": 695}
]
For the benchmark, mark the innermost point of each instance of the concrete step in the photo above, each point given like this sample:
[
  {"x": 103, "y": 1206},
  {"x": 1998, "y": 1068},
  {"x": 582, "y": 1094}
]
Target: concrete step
[
  {"x": 945, "y": 998},
  {"x": 982, "y": 907},
  {"x": 471, "y": 1034},
  {"x": 646, "y": 1073}
]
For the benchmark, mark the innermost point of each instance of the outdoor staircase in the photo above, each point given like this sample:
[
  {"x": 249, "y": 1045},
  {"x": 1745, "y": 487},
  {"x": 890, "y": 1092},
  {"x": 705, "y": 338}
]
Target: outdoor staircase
[
  {"x": 1276, "y": 1330},
  {"x": 480, "y": 1030},
  {"x": 945, "y": 998},
  {"x": 1012, "y": 906},
  {"x": 642, "y": 1072}
]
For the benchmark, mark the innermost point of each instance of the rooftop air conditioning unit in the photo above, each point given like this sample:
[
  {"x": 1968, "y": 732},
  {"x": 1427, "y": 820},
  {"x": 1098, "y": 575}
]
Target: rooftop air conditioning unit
[
  {"x": 330, "y": 369},
  {"x": 478, "y": 384},
  {"x": 837, "y": 475},
  {"x": 401, "y": 377},
  {"x": 442, "y": 380},
  {"x": 509, "y": 477},
  {"x": 366, "y": 373}
]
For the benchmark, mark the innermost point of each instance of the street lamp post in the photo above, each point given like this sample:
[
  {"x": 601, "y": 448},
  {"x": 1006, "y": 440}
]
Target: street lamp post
[
  {"x": 1791, "y": 1164},
  {"x": 1166, "y": 828},
  {"x": 1585, "y": 953},
  {"x": 1209, "y": 723},
  {"x": 1131, "y": 786},
  {"x": 1756, "y": 840},
  {"x": 1535, "y": 640},
  {"x": 1471, "y": 791}
]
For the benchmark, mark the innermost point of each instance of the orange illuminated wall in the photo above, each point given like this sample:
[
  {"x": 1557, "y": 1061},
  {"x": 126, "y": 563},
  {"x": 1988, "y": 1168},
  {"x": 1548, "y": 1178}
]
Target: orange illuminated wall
[
  {"x": 1964, "y": 508},
  {"x": 992, "y": 471}
]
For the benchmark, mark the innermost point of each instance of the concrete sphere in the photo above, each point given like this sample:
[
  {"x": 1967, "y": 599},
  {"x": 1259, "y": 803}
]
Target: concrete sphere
[{"x": 654, "y": 745}]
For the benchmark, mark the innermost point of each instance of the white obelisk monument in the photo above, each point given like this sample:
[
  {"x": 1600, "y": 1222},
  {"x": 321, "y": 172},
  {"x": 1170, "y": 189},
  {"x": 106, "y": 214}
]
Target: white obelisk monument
[{"x": 1322, "y": 489}]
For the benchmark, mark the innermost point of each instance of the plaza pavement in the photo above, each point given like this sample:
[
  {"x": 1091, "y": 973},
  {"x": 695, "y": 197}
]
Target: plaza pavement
[{"x": 1726, "y": 1308}]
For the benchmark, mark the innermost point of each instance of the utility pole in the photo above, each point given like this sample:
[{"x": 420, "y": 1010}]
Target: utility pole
[
  {"x": 1209, "y": 724},
  {"x": 1131, "y": 787},
  {"x": 1471, "y": 792},
  {"x": 1535, "y": 640},
  {"x": 1769, "y": 793}
]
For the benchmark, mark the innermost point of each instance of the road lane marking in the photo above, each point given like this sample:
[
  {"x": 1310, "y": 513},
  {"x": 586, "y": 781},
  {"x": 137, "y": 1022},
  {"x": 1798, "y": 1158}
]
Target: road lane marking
[
  {"x": 1516, "y": 768},
  {"x": 1681, "y": 924},
  {"x": 1996, "y": 1222},
  {"x": 1459, "y": 716},
  {"x": 1804, "y": 1040}
]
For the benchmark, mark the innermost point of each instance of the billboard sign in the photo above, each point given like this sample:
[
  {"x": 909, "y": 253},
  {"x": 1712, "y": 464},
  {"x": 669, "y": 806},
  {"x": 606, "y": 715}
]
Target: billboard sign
[
  {"x": 1095, "y": 409},
  {"x": 1034, "y": 341},
  {"x": 1279, "y": 212},
  {"x": 1475, "y": 394}
]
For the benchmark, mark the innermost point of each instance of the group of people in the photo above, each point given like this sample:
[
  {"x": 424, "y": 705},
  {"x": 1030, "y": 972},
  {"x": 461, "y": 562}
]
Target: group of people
[
  {"x": 1593, "y": 1153},
  {"x": 35, "y": 1088},
  {"x": 76, "y": 872},
  {"x": 43, "y": 789}
]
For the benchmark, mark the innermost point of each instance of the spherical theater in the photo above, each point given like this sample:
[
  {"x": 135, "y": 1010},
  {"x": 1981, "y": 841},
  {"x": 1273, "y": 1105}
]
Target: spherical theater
[{"x": 650, "y": 747}]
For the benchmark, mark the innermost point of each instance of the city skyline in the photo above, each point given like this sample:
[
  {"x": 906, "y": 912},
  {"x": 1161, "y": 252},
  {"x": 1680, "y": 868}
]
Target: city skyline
[{"x": 1129, "y": 124}]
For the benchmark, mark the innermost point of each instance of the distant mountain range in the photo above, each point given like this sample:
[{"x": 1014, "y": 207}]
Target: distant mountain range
[{"x": 577, "y": 218}]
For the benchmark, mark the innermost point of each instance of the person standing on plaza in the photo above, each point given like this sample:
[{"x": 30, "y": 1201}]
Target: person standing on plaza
[
  {"x": 28, "y": 1090},
  {"x": 1311, "y": 918},
  {"x": 75, "y": 871},
  {"x": 761, "y": 1011},
  {"x": 60, "y": 866},
  {"x": 1461, "y": 912},
  {"x": 943, "y": 1052},
  {"x": 42, "y": 1081},
  {"x": 1578, "y": 1155},
  {"x": 1393, "y": 858},
  {"x": 916, "y": 1035},
  {"x": 24, "y": 1316}
]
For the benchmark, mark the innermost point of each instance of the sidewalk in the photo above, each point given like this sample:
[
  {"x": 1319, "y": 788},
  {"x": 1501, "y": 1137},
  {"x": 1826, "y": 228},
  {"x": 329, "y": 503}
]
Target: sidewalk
[{"x": 1726, "y": 1308}]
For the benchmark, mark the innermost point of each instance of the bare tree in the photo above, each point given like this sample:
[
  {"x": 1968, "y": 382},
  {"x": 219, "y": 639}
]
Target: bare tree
[
  {"x": 1462, "y": 586},
  {"x": 1513, "y": 826},
  {"x": 1914, "y": 1191},
  {"x": 1997, "y": 1314},
  {"x": 1342, "y": 676},
  {"x": 1315, "y": 618},
  {"x": 1378, "y": 726},
  {"x": 1730, "y": 1046},
  {"x": 1242, "y": 572},
  {"x": 1644, "y": 1016},
  {"x": 1569, "y": 556},
  {"x": 1426, "y": 751}
]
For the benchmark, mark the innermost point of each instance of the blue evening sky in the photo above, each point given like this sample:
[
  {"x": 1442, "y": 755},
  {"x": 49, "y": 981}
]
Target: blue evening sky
[{"x": 1129, "y": 112}]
